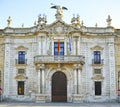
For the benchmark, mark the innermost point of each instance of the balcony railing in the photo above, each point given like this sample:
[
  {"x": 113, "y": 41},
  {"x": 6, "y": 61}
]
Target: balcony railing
[
  {"x": 17, "y": 61},
  {"x": 97, "y": 62},
  {"x": 59, "y": 59}
]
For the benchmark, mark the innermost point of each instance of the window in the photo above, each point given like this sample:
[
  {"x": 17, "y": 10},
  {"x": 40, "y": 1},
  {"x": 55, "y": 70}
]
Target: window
[
  {"x": 97, "y": 71},
  {"x": 20, "y": 87},
  {"x": 97, "y": 88},
  {"x": 97, "y": 57},
  {"x": 21, "y": 71},
  {"x": 61, "y": 48},
  {"x": 21, "y": 57}
]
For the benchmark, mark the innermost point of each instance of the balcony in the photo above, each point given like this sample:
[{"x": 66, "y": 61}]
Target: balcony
[
  {"x": 20, "y": 62},
  {"x": 59, "y": 59},
  {"x": 97, "y": 62}
]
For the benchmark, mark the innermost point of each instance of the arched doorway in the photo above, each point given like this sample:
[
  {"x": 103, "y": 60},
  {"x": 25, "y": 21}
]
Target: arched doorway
[{"x": 59, "y": 87}]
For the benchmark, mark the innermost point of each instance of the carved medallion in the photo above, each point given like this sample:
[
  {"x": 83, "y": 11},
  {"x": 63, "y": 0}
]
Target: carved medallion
[{"x": 59, "y": 30}]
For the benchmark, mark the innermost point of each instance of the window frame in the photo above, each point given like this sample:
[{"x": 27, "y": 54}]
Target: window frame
[
  {"x": 97, "y": 57},
  {"x": 61, "y": 49},
  {"x": 21, "y": 86},
  {"x": 98, "y": 88},
  {"x": 21, "y": 57}
]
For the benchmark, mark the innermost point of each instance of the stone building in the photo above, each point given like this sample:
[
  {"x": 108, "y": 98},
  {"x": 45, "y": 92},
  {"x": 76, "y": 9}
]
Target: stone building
[
  {"x": 1, "y": 61},
  {"x": 117, "y": 61},
  {"x": 59, "y": 62}
]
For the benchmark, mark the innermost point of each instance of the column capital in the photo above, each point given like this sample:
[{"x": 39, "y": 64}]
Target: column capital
[
  {"x": 77, "y": 66},
  {"x": 40, "y": 66}
]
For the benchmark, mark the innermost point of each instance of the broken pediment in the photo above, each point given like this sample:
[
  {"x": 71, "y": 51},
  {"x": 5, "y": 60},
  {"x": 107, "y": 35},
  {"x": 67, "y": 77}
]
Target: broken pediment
[{"x": 60, "y": 27}]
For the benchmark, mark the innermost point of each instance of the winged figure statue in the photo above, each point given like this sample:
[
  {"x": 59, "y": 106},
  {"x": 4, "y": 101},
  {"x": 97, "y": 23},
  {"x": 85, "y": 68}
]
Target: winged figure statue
[{"x": 59, "y": 8}]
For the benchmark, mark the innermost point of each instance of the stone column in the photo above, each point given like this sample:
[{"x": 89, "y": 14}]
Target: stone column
[
  {"x": 42, "y": 45},
  {"x": 77, "y": 96},
  {"x": 75, "y": 81},
  {"x": 38, "y": 81},
  {"x": 40, "y": 96},
  {"x": 76, "y": 47},
  {"x": 66, "y": 47},
  {"x": 43, "y": 81},
  {"x": 79, "y": 81}
]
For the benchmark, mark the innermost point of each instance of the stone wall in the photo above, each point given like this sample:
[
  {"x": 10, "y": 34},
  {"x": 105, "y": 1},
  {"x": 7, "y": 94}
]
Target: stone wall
[{"x": 2, "y": 61}]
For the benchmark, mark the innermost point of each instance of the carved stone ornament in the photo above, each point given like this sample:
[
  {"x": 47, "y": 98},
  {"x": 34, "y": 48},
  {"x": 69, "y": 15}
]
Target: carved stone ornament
[
  {"x": 21, "y": 48},
  {"x": 20, "y": 78},
  {"x": 98, "y": 77},
  {"x": 59, "y": 30},
  {"x": 97, "y": 48}
]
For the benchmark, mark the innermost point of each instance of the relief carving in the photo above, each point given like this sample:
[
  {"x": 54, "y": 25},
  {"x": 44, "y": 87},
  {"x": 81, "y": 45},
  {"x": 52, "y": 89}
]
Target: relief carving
[
  {"x": 21, "y": 78},
  {"x": 21, "y": 48},
  {"x": 97, "y": 48}
]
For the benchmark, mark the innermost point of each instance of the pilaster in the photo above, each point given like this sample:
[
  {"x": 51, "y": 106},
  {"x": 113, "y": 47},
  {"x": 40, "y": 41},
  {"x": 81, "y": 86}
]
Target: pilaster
[{"x": 112, "y": 71}]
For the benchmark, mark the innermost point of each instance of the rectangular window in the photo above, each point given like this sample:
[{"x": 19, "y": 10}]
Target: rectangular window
[
  {"x": 97, "y": 57},
  {"x": 97, "y": 71},
  {"x": 21, "y": 57},
  {"x": 56, "y": 48},
  {"x": 97, "y": 88},
  {"x": 20, "y": 87}
]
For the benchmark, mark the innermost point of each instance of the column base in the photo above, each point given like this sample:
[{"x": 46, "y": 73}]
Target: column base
[
  {"x": 78, "y": 98},
  {"x": 40, "y": 98}
]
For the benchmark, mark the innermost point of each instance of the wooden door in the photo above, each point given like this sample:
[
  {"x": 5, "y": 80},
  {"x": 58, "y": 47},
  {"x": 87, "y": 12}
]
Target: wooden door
[{"x": 59, "y": 87}]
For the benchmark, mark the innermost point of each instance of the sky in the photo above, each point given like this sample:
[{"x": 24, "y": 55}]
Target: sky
[{"x": 90, "y": 11}]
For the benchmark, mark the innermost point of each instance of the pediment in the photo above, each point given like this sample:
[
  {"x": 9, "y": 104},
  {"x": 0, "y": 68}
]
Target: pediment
[
  {"x": 21, "y": 48},
  {"x": 60, "y": 27},
  {"x": 20, "y": 78}
]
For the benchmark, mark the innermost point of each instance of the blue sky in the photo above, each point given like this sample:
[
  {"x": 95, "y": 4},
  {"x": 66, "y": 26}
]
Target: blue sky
[{"x": 90, "y": 11}]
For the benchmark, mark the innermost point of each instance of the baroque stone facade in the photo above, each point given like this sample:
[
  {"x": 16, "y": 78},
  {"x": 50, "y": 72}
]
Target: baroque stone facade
[{"x": 85, "y": 69}]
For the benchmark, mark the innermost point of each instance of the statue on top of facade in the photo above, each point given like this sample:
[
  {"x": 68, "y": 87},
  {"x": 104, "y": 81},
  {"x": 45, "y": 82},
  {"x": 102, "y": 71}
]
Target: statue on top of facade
[
  {"x": 9, "y": 20},
  {"x": 59, "y": 8},
  {"x": 59, "y": 12}
]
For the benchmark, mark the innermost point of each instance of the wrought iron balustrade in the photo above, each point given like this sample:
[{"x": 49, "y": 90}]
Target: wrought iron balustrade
[
  {"x": 101, "y": 61},
  {"x": 17, "y": 61}
]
